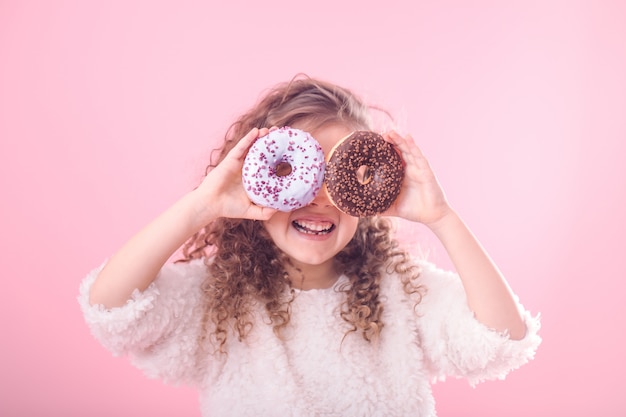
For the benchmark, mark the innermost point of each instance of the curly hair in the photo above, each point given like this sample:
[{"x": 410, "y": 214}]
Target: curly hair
[{"x": 245, "y": 267}]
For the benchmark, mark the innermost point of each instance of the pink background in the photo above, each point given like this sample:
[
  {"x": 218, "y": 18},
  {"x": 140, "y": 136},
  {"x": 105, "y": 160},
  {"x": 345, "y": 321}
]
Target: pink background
[{"x": 109, "y": 109}]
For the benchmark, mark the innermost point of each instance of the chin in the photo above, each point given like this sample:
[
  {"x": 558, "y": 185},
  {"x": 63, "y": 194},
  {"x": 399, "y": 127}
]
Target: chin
[{"x": 311, "y": 261}]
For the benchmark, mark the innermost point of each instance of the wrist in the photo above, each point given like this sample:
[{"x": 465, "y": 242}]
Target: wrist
[
  {"x": 196, "y": 209},
  {"x": 448, "y": 218}
]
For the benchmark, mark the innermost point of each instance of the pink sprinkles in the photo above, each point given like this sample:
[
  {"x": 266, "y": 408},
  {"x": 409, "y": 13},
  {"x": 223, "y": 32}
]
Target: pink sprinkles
[{"x": 292, "y": 191}]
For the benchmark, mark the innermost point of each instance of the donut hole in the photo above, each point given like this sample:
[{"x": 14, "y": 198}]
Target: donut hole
[
  {"x": 364, "y": 174},
  {"x": 283, "y": 169}
]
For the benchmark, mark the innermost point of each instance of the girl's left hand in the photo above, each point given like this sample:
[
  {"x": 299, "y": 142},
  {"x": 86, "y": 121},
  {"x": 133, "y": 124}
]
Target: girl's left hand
[{"x": 421, "y": 198}]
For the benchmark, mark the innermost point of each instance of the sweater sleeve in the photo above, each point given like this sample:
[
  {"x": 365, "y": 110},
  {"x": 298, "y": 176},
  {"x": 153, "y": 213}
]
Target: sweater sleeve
[
  {"x": 456, "y": 344},
  {"x": 158, "y": 328}
]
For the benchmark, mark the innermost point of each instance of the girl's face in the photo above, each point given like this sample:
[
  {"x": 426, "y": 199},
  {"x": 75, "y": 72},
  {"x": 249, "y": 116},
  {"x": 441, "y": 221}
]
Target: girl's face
[{"x": 311, "y": 236}]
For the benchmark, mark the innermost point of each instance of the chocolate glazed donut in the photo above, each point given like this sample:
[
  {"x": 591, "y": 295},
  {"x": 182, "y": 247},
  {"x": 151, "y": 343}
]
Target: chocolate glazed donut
[{"x": 364, "y": 174}]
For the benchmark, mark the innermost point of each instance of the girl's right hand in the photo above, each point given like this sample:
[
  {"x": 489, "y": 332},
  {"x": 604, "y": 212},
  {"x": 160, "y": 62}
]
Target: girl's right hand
[{"x": 221, "y": 193}]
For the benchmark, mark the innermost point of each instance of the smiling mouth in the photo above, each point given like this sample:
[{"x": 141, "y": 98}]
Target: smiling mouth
[{"x": 313, "y": 228}]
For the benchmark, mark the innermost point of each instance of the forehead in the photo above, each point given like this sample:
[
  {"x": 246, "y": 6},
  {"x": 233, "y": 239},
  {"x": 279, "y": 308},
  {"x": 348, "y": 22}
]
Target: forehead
[{"x": 329, "y": 135}]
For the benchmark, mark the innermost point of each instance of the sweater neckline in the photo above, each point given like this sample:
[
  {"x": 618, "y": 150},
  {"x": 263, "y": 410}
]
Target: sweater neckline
[{"x": 333, "y": 288}]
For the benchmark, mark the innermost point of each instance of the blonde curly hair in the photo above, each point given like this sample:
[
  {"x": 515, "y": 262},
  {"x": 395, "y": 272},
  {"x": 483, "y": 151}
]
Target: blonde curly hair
[{"x": 244, "y": 265}]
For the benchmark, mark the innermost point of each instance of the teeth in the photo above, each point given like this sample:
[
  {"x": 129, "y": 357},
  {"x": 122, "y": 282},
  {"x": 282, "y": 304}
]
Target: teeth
[{"x": 313, "y": 227}]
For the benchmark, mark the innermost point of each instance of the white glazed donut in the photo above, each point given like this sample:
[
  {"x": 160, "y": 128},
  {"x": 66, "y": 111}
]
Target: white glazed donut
[{"x": 284, "y": 169}]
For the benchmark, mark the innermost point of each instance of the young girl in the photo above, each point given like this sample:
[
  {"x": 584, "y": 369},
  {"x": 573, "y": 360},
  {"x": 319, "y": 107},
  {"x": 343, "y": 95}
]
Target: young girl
[{"x": 310, "y": 312}]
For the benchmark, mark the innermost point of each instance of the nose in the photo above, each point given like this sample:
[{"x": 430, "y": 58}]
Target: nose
[{"x": 322, "y": 199}]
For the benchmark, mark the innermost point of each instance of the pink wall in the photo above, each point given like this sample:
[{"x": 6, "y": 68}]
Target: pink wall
[{"x": 108, "y": 111}]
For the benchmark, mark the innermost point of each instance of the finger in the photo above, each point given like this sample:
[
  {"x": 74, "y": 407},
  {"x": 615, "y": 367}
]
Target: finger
[
  {"x": 398, "y": 140},
  {"x": 241, "y": 148},
  {"x": 402, "y": 146},
  {"x": 407, "y": 146},
  {"x": 391, "y": 211},
  {"x": 255, "y": 212}
]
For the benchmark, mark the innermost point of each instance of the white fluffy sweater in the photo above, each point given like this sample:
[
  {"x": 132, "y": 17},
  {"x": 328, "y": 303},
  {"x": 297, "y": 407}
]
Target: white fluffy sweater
[{"x": 311, "y": 372}]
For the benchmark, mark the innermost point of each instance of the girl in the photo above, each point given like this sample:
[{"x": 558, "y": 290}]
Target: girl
[{"x": 269, "y": 316}]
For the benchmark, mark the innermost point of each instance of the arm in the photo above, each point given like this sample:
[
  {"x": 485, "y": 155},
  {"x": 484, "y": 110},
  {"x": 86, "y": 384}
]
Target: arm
[
  {"x": 137, "y": 263},
  {"x": 422, "y": 199},
  {"x": 488, "y": 294}
]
